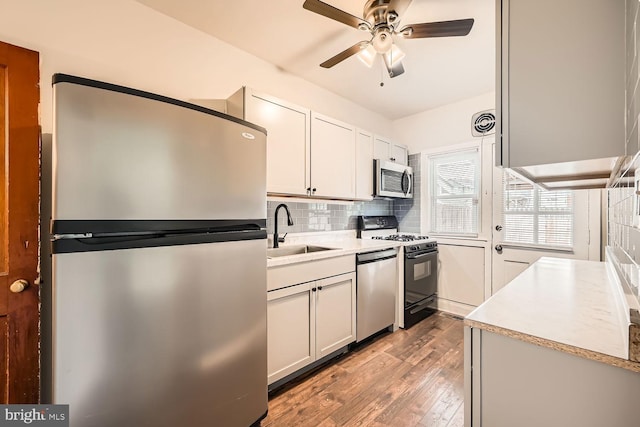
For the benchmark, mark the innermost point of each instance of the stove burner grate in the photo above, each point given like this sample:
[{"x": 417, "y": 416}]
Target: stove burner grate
[{"x": 400, "y": 237}]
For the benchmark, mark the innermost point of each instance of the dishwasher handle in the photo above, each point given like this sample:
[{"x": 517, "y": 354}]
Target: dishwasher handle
[{"x": 368, "y": 257}]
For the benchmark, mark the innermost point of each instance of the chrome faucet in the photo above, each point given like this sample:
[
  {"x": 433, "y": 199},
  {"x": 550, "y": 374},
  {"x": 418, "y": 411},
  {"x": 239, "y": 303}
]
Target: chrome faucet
[{"x": 276, "y": 239}]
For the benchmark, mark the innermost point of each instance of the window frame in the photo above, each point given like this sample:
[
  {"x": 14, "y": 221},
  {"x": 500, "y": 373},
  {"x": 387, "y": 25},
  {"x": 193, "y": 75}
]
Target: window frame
[
  {"x": 535, "y": 212},
  {"x": 474, "y": 150}
]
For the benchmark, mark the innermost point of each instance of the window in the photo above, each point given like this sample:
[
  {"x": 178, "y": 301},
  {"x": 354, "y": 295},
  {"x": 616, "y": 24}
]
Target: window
[
  {"x": 532, "y": 215},
  {"x": 455, "y": 192}
]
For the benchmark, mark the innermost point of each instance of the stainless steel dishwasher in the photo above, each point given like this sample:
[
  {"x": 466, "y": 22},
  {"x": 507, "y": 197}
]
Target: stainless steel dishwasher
[{"x": 377, "y": 282}]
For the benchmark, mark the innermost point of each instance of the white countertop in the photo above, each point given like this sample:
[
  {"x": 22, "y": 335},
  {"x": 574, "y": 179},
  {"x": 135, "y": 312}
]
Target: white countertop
[
  {"x": 570, "y": 305},
  {"x": 344, "y": 246}
]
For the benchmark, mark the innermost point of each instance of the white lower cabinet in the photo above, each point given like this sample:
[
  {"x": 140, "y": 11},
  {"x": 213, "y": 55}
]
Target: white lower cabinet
[
  {"x": 308, "y": 321},
  {"x": 335, "y": 313},
  {"x": 290, "y": 323}
]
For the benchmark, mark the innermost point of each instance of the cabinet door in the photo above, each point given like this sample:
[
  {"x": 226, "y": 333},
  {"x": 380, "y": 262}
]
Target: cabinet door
[
  {"x": 290, "y": 330},
  {"x": 333, "y": 158},
  {"x": 364, "y": 165},
  {"x": 400, "y": 154},
  {"x": 335, "y": 313},
  {"x": 288, "y": 145},
  {"x": 381, "y": 149},
  {"x": 461, "y": 274},
  {"x": 560, "y": 93}
]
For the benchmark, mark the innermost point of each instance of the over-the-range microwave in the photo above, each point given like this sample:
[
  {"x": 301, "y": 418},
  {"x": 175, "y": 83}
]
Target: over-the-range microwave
[{"x": 392, "y": 180}]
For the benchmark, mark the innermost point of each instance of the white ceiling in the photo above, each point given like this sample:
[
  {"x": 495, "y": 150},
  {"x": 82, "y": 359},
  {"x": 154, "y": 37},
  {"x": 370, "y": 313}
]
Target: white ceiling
[{"x": 438, "y": 71}]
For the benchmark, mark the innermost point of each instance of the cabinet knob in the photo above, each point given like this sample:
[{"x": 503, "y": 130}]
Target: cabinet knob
[
  {"x": 18, "y": 286},
  {"x": 314, "y": 190},
  {"x": 319, "y": 288},
  {"x": 393, "y": 159},
  {"x": 313, "y": 289}
]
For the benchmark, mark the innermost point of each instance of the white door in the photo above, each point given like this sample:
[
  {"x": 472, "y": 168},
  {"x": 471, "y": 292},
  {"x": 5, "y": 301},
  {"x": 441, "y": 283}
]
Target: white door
[
  {"x": 333, "y": 158},
  {"x": 335, "y": 313},
  {"x": 527, "y": 222}
]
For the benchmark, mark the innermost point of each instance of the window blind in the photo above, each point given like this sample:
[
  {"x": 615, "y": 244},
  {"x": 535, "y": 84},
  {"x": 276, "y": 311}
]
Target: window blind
[
  {"x": 532, "y": 215},
  {"x": 455, "y": 190}
]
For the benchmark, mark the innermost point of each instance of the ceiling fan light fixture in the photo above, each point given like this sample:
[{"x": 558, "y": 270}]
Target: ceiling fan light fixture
[
  {"x": 368, "y": 55},
  {"x": 382, "y": 41},
  {"x": 394, "y": 56}
]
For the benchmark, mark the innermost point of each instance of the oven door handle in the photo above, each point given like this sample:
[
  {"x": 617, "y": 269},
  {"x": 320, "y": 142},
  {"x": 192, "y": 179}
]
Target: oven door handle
[{"x": 422, "y": 255}]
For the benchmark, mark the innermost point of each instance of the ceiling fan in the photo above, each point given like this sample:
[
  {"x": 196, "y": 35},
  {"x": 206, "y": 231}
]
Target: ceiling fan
[{"x": 381, "y": 18}]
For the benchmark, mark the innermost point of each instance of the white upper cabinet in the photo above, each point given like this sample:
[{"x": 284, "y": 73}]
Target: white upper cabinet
[
  {"x": 309, "y": 154},
  {"x": 288, "y": 138},
  {"x": 560, "y": 82},
  {"x": 364, "y": 165},
  {"x": 333, "y": 158},
  {"x": 384, "y": 149}
]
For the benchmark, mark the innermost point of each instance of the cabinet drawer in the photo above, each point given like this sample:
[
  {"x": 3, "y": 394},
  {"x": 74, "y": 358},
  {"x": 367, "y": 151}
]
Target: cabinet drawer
[{"x": 293, "y": 274}]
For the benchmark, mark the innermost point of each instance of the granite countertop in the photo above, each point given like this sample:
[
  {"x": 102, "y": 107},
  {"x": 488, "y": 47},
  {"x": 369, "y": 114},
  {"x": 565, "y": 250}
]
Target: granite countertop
[
  {"x": 568, "y": 305},
  {"x": 343, "y": 246}
]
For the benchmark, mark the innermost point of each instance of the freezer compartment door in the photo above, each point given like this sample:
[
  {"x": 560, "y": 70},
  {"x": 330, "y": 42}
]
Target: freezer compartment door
[
  {"x": 126, "y": 155},
  {"x": 162, "y": 336}
]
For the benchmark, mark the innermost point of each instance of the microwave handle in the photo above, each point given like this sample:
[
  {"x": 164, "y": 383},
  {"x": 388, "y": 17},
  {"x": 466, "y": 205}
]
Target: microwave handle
[{"x": 407, "y": 176}]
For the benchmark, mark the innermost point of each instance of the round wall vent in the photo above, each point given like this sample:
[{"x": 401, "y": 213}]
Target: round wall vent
[{"x": 483, "y": 123}]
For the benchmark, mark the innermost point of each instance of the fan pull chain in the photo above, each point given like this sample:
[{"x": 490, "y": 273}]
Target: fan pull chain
[{"x": 381, "y": 74}]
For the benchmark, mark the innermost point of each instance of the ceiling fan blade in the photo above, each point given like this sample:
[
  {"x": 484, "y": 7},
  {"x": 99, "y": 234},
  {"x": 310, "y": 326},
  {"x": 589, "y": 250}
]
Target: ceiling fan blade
[
  {"x": 344, "y": 54},
  {"x": 395, "y": 70},
  {"x": 334, "y": 13},
  {"x": 398, "y": 6},
  {"x": 460, "y": 27}
]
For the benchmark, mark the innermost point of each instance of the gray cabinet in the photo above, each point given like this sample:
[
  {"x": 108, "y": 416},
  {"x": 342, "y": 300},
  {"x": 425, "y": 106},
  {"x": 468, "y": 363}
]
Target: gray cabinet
[
  {"x": 560, "y": 81},
  {"x": 509, "y": 382}
]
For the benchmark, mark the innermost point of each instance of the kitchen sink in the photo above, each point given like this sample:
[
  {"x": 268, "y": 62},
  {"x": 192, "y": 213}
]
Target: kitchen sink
[{"x": 295, "y": 250}]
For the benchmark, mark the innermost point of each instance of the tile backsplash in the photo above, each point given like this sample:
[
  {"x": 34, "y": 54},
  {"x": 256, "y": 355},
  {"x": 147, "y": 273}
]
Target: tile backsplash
[
  {"x": 321, "y": 216},
  {"x": 408, "y": 210},
  {"x": 326, "y": 216},
  {"x": 622, "y": 236}
]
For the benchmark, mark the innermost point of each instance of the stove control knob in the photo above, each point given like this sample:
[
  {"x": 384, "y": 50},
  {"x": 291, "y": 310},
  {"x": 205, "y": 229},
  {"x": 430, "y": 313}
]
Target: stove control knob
[{"x": 414, "y": 248}]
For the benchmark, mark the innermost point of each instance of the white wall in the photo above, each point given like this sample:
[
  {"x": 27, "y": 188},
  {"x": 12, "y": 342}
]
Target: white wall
[
  {"x": 442, "y": 126},
  {"x": 127, "y": 43}
]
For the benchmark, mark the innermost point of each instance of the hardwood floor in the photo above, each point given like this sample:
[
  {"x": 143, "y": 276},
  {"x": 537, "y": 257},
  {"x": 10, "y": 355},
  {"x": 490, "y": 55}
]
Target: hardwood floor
[{"x": 411, "y": 377}]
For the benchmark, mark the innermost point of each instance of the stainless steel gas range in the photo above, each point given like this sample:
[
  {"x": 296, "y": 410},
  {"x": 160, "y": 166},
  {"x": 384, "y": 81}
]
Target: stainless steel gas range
[{"x": 420, "y": 256}]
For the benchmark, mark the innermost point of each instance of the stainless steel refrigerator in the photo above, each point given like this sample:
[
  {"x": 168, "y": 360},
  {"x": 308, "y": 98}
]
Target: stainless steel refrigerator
[{"x": 156, "y": 314}]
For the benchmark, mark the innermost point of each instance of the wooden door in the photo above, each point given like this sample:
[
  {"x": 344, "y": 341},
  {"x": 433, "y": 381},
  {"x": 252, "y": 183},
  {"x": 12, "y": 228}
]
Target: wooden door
[{"x": 19, "y": 175}]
